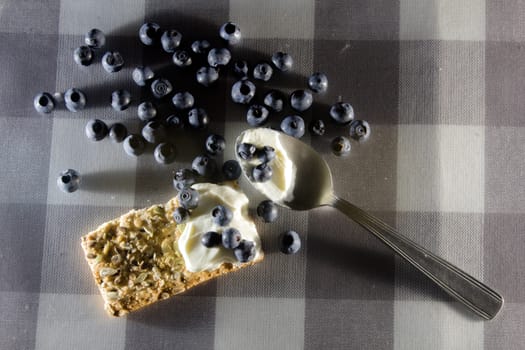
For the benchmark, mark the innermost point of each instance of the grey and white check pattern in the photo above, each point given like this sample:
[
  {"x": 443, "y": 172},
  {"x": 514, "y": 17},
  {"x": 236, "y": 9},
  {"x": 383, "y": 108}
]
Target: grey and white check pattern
[{"x": 442, "y": 84}]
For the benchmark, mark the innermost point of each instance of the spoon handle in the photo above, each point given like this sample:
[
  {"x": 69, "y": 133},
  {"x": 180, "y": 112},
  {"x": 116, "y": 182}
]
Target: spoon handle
[{"x": 478, "y": 297}]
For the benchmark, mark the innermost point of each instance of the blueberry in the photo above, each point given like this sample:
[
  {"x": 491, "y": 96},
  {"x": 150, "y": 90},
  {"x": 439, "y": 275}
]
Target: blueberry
[
  {"x": 180, "y": 214},
  {"x": 142, "y": 74},
  {"x": 95, "y": 38},
  {"x": 74, "y": 99},
  {"x": 207, "y": 75},
  {"x": 198, "y": 118},
  {"x": 170, "y": 40},
  {"x": 257, "y": 115},
  {"x": 68, "y": 181},
  {"x": 164, "y": 153},
  {"x": 341, "y": 146},
  {"x": 262, "y": 71},
  {"x": 241, "y": 68},
  {"x": 274, "y": 100},
  {"x": 245, "y": 251},
  {"x": 289, "y": 242},
  {"x": 219, "y": 57},
  {"x": 262, "y": 172},
  {"x": 301, "y": 100},
  {"x": 204, "y": 165},
  {"x": 243, "y": 91},
  {"x": 174, "y": 122},
  {"x": 282, "y": 61},
  {"x": 134, "y": 145},
  {"x": 44, "y": 102},
  {"x": 83, "y": 55},
  {"x": 200, "y": 46},
  {"x": 183, "y": 100},
  {"x": 231, "y": 170},
  {"x": 188, "y": 198},
  {"x": 112, "y": 61},
  {"x": 317, "y": 127},
  {"x": 230, "y": 32},
  {"x": 359, "y": 130},
  {"x": 118, "y": 132},
  {"x": 293, "y": 125},
  {"x": 246, "y": 151},
  {"x": 231, "y": 237},
  {"x": 183, "y": 178},
  {"x": 318, "y": 82},
  {"x": 154, "y": 132},
  {"x": 266, "y": 154},
  {"x": 96, "y": 130},
  {"x": 146, "y": 111},
  {"x": 161, "y": 87},
  {"x": 182, "y": 58},
  {"x": 221, "y": 215},
  {"x": 120, "y": 99},
  {"x": 342, "y": 112},
  {"x": 211, "y": 239},
  {"x": 215, "y": 144},
  {"x": 149, "y": 33},
  {"x": 267, "y": 211}
]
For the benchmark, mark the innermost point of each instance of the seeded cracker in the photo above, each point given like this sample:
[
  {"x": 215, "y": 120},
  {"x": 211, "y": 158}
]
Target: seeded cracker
[{"x": 135, "y": 259}]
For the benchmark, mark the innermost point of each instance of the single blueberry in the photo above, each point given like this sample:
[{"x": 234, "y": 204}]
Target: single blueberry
[
  {"x": 262, "y": 172},
  {"x": 221, "y": 215},
  {"x": 180, "y": 214},
  {"x": 257, "y": 115},
  {"x": 164, "y": 153},
  {"x": 230, "y": 32},
  {"x": 215, "y": 144},
  {"x": 243, "y": 91},
  {"x": 161, "y": 87},
  {"x": 200, "y": 46},
  {"x": 318, "y": 82},
  {"x": 293, "y": 125},
  {"x": 170, "y": 40},
  {"x": 231, "y": 237},
  {"x": 246, "y": 151},
  {"x": 44, "y": 103},
  {"x": 317, "y": 127},
  {"x": 134, "y": 145},
  {"x": 219, "y": 57},
  {"x": 341, "y": 146},
  {"x": 267, "y": 211},
  {"x": 359, "y": 130},
  {"x": 282, "y": 61},
  {"x": 274, "y": 100},
  {"x": 188, "y": 198},
  {"x": 149, "y": 33},
  {"x": 231, "y": 170},
  {"x": 182, "y": 58},
  {"x": 112, "y": 61},
  {"x": 241, "y": 68},
  {"x": 207, "y": 75},
  {"x": 83, "y": 55},
  {"x": 146, "y": 111},
  {"x": 211, "y": 239},
  {"x": 342, "y": 112},
  {"x": 75, "y": 100},
  {"x": 289, "y": 242},
  {"x": 262, "y": 71},
  {"x": 183, "y": 100},
  {"x": 142, "y": 74},
  {"x": 96, "y": 130},
  {"x": 301, "y": 100},
  {"x": 120, "y": 99},
  {"x": 245, "y": 251},
  {"x": 95, "y": 38},
  {"x": 68, "y": 180},
  {"x": 118, "y": 132},
  {"x": 204, "y": 165},
  {"x": 154, "y": 132},
  {"x": 174, "y": 122},
  {"x": 266, "y": 154},
  {"x": 198, "y": 118},
  {"x": 183, "y": 178}
]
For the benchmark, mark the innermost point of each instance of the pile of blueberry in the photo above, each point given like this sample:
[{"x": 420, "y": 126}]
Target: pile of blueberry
[{"x": 261, "y": 172}]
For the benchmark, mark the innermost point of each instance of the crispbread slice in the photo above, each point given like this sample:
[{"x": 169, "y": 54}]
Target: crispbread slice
[{"x": 135, "y": 259}]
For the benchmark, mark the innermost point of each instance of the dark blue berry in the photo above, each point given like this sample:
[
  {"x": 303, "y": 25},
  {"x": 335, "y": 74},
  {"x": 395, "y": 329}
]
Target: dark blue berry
[
  {"x": 146, "y": 111},
  {"x": 170, "y": 40},
  {"x": 200, "y": 46},
  {"x": 231, "y": 237},
  {"x": 95, "y": 38},
  {"x": 44, "y": 102},
  {"x": 318, "y": 82},
  {"x": 204, "y": 165},
  {"x": 262, "y": 71},
  {"x": 230, "y": 32},
  {"x": 231, "y": 170},
  {"x": 289, "y": 242},
  {"x": 161, "y": 87},
  {"x": 180, "y": 214},
  {"x": 83, "y": 55},
  {"x": 120, "y": 99},
  {"x": 282, "y": 61},
  {"x": 266, "y": 154},
  {"x": 219, "y": 57},
  {"x": 207, "y": 75},
  {"x": 198, "y": 118},
  {"x": 246, "y": 151},
  {"x": 188, "y": 198},
  {"x": 243, "y": 91},
  {"x": 317, "y": 127},
  {"x": 262, "y": 172},
  {"x": 215, "y": 144},
  {"x": 149, "y": 33},
  {"x": 96, "y": 130},
  {"x": 74, "y": 99},
  {"x": 68, "y": 181},
  {"x": 118, "y": 132},
  {"x": 182, "y": 58},
  {"x": 221, "y": 215},
  {"x": 293, "y": 125},
  {"x": 154, "y": 132},
  {"x": 301, "y": 100},
  {"x": 183, "y": 100},
  {"x": 341, "y": 146},
  {"x": 183, "y": 178},
  {"x": 112, "y": 61},
  {"x": 134, "y": 145},
  {"x": 174, "y": 122},
  {"x": 164, "y": 153},
  {"x": 359, "y": 130},
  {"x": 241, "y": 68},
  {"x": 274, "y": 100},
  {"x": 141, "y": 75},
  {"x": 245, "y": 251},
  {"x": 257, "y": 115},
  {"x": 267, "y": 211},
  {"x": 342, "y": 113},
  {"x": 211, "y": 239}
]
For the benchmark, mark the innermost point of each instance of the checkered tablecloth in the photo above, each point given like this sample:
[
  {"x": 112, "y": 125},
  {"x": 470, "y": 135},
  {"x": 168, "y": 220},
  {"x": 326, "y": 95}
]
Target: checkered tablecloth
[{"x": 442, "y": 84}]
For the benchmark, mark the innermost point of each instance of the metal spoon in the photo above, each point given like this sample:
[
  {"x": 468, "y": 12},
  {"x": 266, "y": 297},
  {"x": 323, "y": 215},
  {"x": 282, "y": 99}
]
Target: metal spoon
[{"x": 313, "y": 187}]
